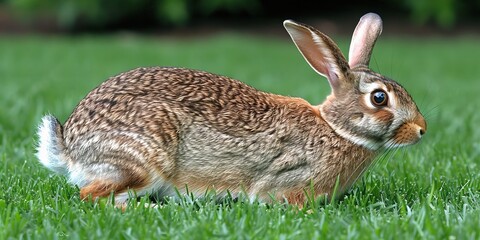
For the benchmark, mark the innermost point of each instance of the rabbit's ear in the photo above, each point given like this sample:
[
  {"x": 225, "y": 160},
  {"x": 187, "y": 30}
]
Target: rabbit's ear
[
  {"x": 364, "y": 37},
  {"x": 320, "y": 51}
]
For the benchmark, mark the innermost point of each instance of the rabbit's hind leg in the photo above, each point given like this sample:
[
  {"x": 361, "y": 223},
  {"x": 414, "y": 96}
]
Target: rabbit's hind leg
[{"x": 117, "y": 181}]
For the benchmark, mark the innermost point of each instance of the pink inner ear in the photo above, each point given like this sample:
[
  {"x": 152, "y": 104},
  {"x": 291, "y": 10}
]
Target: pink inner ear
[
  {"x": 364, "y": 37},
  {"x": 359, "y": 54},
  {"x": 311, "y": 51},
  {"x": 319, "y": 51}
]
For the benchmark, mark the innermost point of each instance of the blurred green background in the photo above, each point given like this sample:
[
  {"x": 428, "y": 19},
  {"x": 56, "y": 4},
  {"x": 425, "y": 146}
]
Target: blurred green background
[
  {"x": 53, "y": 52},
  {"x": 108, "y": 14}
]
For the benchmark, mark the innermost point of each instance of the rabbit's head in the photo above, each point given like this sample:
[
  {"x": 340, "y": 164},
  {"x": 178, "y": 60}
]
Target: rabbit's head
[{"x": 364, "y": 107}]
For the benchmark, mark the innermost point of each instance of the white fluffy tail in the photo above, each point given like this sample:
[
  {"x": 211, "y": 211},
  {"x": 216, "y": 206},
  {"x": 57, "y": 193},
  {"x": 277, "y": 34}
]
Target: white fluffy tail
[{"x": 50, "y": 149}]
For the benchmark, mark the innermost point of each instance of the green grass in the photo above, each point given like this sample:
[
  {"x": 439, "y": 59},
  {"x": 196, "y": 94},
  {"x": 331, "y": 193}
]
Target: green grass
[{"x": 431, "y": 190}]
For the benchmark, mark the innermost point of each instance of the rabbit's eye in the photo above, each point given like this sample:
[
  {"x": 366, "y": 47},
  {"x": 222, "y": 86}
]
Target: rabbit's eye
[{"x": 379, "y": 98}]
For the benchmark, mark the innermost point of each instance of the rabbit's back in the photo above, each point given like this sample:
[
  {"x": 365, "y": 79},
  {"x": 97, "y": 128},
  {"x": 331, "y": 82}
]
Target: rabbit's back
[{"x": 143, "y": 95}]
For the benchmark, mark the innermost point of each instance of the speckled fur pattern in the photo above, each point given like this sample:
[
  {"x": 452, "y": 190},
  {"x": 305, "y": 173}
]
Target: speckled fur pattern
[{"x": 157, "y": 129}]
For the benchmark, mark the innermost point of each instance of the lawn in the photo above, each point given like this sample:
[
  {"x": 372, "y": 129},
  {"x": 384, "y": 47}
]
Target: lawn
[{"x": 430, "y": 190}]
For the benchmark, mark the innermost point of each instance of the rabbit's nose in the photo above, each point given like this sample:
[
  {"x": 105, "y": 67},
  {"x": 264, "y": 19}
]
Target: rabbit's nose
[
  {"x": 422, "y": 131},
  {"x": 421, "y": 123}
]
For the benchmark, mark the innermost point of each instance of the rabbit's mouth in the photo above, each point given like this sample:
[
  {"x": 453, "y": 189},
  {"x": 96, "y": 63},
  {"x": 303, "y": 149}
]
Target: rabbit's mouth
[{"x": 408, "y": 133}]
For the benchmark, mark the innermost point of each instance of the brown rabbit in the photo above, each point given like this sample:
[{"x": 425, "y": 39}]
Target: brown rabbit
[{"x": 155, "y": 129}]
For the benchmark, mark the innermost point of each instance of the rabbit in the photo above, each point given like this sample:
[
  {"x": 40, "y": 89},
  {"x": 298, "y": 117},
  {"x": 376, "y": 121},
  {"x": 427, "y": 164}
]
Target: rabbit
[{"x": 164, "y": 130}]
